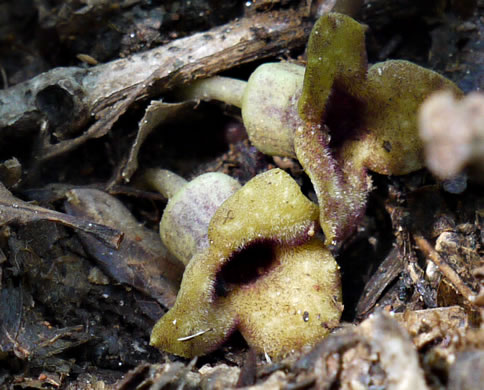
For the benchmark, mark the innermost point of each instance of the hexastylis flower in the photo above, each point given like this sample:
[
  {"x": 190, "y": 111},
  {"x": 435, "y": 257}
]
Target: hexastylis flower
[{"x": 264, "y": 274}]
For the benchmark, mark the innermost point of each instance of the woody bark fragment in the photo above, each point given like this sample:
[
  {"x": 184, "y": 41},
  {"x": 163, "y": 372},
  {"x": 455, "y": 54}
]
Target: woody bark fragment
[{"x": 106, "y": 91}]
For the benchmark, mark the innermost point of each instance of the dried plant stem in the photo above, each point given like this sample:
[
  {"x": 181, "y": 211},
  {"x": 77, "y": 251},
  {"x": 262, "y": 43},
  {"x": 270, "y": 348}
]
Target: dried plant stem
[{"x": 446, "y": 270}]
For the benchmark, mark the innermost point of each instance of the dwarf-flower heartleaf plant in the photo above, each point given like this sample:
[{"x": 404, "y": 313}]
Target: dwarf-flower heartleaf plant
[
  {"x": 264, "y": 273},
  {"x": 338, "y": 117}
]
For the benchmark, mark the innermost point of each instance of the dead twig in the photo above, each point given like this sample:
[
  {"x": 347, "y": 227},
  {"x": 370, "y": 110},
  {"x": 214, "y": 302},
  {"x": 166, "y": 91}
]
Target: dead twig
[
  {"x": 68, "y": 98},
  {"x": 445, "y": 269}
]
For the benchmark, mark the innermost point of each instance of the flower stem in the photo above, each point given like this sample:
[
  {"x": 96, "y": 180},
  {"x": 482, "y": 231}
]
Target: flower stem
[
  {"x": 165, "y": 182},
  {"x": 225, "y": 89}
]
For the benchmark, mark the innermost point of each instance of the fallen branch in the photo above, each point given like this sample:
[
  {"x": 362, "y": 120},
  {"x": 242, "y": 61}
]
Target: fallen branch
[{"x": 64, "y": 100}]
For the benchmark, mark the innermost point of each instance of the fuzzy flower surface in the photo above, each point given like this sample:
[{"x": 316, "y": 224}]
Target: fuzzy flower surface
[{"x": 264, "y": 274}]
